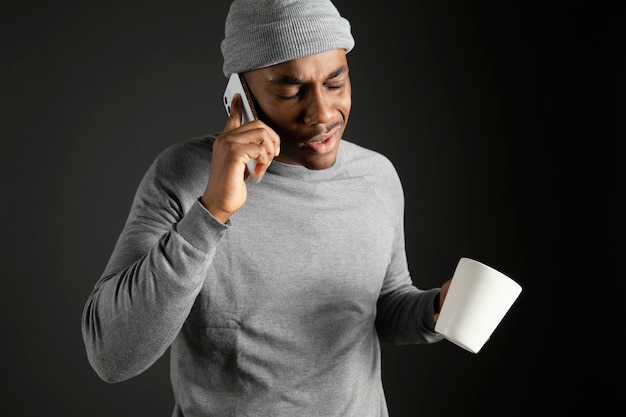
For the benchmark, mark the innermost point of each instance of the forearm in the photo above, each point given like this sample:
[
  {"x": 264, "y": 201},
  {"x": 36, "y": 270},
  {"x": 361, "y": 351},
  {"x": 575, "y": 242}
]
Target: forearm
[
  {"x": 407, "y": 316},
  {"x": 135, "y": 313}
]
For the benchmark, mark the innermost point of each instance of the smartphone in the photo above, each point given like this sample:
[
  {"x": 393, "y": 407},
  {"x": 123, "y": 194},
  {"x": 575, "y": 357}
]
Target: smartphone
[{"x": 237, "y": 85}]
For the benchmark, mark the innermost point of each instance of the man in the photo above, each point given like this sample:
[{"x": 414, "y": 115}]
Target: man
[{"x": 273, "y": 296}]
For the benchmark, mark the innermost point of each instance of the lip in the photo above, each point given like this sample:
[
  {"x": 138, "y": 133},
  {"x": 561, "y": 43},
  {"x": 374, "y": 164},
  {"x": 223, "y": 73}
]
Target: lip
[{"x": 323, "y": 144}]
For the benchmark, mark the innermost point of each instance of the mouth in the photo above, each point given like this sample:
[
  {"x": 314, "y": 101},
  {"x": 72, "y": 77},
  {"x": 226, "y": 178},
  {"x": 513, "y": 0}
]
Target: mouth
[{"x": 323, "y": 143}]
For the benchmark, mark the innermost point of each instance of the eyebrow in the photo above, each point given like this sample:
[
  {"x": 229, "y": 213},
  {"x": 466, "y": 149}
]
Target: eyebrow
[{"x": 291, "y": 80}]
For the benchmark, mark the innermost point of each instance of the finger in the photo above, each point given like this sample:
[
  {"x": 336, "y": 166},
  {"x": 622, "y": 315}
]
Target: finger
[
  {"x": 265, "y": 136},
  {"x": 252, "y": 141},
  {"x": 256, "y": 140},
  {"x": 271, "y": 145},
  {"x": 268, "y": 149},
  {"x": 236, "y": 111},
  {"x": 260, "y": 158},
  {"x": 275, "y": 141}
]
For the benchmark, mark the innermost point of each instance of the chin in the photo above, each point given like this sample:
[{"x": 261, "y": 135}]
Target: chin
[
  {"x": 319, "y": 162},
  {"x": 308, "y": 160}
]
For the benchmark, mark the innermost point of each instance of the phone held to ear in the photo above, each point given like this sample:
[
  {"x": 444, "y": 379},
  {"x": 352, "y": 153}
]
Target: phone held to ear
[{"x": 237, "y": 85}]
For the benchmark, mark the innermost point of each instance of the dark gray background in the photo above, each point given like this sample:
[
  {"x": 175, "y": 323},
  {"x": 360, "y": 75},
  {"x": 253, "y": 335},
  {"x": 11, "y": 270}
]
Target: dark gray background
[{"x": 505, "y": 123}]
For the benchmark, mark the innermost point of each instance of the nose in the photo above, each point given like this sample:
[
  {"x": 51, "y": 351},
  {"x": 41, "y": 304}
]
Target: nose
[{"x": 319, "y": 108}]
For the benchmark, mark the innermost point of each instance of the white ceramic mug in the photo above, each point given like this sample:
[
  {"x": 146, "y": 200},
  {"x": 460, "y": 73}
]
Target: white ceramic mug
[{"x": 477, "y": 300}]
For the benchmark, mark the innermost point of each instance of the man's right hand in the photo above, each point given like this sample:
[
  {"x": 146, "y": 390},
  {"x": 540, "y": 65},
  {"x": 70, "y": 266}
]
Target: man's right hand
[{"x": 226, "y": 190}]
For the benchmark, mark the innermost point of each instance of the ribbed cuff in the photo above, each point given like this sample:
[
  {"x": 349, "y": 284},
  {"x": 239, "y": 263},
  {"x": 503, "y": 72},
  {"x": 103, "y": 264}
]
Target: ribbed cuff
[{"x": 201, "y": 229}]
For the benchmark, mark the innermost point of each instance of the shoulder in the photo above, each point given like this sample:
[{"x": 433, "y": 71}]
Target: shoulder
[
  {"x": 376, "y": 170},
  {"x": 182, "y": 167},
  {"x": 186, "y": 154},
  {"x": 371, "y": 165}
]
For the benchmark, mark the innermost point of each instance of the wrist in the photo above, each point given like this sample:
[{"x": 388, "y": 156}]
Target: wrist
[{"x": 219, "y": 214}]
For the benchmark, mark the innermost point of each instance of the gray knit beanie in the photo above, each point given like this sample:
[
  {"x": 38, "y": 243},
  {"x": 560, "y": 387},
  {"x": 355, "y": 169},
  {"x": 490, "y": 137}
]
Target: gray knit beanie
[{"x": 260, "y": 33}]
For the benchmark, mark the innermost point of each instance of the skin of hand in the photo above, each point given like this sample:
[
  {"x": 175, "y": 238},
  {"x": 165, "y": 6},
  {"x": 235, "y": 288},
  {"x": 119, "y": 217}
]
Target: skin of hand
[
  {"x": 442, "y": 295},
  {"x": 226, "y": 190}
]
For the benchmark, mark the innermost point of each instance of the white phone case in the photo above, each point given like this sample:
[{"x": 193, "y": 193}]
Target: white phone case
[{"x": 237, "y": 86}]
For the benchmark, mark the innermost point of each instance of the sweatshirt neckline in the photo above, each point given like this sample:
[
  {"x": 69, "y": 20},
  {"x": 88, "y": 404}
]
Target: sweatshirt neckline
[{"x": 301, "y": 172}]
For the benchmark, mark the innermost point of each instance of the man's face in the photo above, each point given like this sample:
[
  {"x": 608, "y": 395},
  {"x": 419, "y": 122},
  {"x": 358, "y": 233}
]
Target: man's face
[{"x": 307, "y": 102}]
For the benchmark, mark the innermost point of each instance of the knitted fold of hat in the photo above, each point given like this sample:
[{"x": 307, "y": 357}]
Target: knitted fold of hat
[{"x": 261, "y": 33}]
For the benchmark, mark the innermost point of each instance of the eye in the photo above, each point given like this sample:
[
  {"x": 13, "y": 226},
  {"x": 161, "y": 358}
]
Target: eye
[
  {"x": 334, "y": 86},
  {"x": 336, "y": 83},
  {"x": 288, "y": 92},
  {"x": 289, "y": 97}
]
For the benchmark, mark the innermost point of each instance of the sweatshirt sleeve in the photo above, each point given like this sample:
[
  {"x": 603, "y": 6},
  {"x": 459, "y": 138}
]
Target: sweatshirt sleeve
[
  {"x": 156, "y": 270},
  {"x": 404, "y": 311}
]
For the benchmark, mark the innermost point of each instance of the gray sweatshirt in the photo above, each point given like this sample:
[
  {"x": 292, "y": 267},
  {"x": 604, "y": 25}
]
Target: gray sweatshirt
[{"x": 281, "y": 311}]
